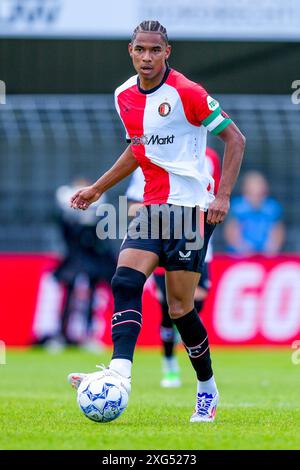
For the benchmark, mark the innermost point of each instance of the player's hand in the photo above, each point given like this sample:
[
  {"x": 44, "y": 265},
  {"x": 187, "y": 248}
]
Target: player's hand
[
  {"x": 83, "y": 198},
  {"x": 218, "y": 210}
]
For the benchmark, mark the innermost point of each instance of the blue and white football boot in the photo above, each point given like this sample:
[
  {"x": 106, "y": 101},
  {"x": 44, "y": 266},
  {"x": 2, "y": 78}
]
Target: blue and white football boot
[{"x": 206, "y": 406}]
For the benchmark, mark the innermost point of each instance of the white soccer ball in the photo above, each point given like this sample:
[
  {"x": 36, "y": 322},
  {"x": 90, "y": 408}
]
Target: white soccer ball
[{"x": 102, "y": 398}]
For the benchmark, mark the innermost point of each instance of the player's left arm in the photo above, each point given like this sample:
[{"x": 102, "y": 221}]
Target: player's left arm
[{"x": 233, "y": 154}]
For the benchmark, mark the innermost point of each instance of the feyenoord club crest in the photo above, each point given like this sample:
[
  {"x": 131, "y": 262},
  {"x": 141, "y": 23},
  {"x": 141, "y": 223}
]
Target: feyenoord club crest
[{"x": 164, "y": 109}]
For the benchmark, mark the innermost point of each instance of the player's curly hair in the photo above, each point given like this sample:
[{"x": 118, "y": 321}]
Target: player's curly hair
[{"x": 151, "y": 26}]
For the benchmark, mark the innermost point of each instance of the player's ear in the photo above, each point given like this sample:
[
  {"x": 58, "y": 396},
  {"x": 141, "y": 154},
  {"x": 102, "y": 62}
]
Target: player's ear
[
  {"x": 130, "y": 49},
  {"x": 168, "y": 51}
]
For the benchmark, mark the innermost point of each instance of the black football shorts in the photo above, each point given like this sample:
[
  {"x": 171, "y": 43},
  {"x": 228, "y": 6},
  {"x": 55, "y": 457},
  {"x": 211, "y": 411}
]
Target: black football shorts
[{"x": 178, "y": 235}]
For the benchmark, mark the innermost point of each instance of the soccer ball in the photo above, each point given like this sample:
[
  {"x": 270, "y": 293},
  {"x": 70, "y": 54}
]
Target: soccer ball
[{"x": 102, "y": 398}]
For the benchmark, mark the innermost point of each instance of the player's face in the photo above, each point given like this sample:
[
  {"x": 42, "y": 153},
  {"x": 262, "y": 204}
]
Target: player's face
[{"x": 149, "y": 53}]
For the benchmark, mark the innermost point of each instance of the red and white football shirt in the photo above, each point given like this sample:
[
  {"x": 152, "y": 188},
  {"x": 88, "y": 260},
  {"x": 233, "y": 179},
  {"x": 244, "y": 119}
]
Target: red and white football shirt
[{"x": 167, "y": 127}]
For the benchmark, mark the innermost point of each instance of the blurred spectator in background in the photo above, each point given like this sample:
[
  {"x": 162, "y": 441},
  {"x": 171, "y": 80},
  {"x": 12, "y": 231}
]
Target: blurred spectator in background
[
  {"x": 87, "y": 261},
  {"x": 254, "y": 223}
]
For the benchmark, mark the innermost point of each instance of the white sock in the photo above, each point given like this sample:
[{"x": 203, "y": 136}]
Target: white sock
[
  {"x": 170, "y": 364},
  {"x": 122, "y": 366},
  {"x": 209, "y": 386}
]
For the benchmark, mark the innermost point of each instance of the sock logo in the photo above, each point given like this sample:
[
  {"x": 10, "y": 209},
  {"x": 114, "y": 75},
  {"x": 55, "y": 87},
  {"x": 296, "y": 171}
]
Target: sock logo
[
  {"x": 131, "y": 316},
  {"x": 199, "y": 350},
  {"x": 194, "y": 352},
  {"x": 115, "y": 316}
]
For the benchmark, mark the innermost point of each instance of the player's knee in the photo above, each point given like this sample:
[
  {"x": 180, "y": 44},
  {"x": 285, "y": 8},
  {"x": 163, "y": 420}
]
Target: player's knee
[
  {"x": 129, "y": 282},
  {"x": 176, "y": 309}
]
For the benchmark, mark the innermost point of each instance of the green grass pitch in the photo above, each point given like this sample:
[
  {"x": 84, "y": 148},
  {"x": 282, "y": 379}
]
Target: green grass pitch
[{"x": 259, "y": 408}]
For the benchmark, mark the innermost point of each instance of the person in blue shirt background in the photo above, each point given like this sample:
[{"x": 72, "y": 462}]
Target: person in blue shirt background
[{"x": 254, "y": 224}]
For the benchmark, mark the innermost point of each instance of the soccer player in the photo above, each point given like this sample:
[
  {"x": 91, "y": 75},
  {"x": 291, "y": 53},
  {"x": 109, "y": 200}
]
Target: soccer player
[
  {"x": 166, "y": 117},
  {"x": 168, "y": 334}
]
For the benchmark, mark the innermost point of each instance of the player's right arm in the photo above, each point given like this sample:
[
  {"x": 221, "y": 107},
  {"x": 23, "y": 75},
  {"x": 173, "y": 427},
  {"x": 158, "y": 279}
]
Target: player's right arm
[{"x": 123, "y": 167}]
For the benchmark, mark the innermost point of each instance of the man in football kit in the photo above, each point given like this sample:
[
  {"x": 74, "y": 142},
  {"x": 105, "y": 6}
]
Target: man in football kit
[
  {"x": 166, "y": 117},
  {"x": 168, "y": 334}
]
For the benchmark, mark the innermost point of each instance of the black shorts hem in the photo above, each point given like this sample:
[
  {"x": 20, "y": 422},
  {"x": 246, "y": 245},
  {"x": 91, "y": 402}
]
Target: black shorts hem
[
  {"x": 133, "y": 247},
  {"x": 181, "y": 268}
]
